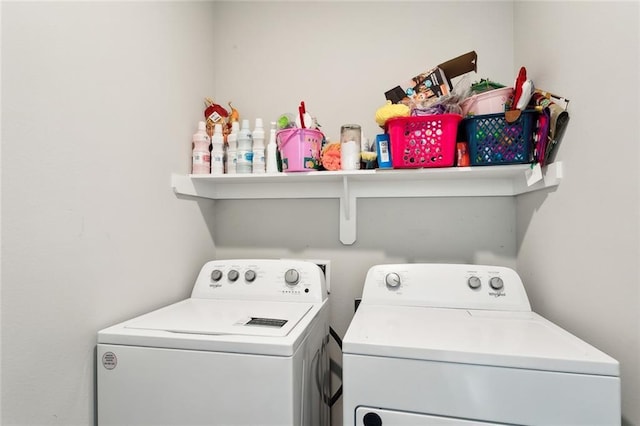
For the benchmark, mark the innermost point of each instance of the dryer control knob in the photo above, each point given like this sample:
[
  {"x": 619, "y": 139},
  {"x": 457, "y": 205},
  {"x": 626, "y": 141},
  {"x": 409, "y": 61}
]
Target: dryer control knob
[
  {"x": 250, "y": 275},
  {"x": 496, "y": 283},
  {"x": 292, "y": 277},
  {"x": 392, "y": 280},
  {"x": 474, "y": 282},
  {"x": 216, "y": 275},
  {"x": 233, "y": 275}
]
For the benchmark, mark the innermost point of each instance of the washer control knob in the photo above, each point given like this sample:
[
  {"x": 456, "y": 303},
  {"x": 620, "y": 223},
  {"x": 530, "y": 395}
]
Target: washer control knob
[
  {"x": 392, "y": 280},
  {"x": 250, "y": 275},
  {"x": 233, "y": 275},
  {"x": 216, "y": 275},
  {"x": 292, "y": 277},
  {"x": 496, "y": 283},
  {"x": 474, "y": 282}
]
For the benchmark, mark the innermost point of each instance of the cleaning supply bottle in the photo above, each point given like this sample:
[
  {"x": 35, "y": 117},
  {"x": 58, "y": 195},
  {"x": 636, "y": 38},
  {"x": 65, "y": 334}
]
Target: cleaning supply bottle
[
  {"x": 232, "y": 148},
  {"x": 272, "y": 151},
  {"x": 257, "y": 160},
  {"x": 245, "y": 149},
  {"x": 201, "y": 158},
  {"x": 217, "y": 151}
]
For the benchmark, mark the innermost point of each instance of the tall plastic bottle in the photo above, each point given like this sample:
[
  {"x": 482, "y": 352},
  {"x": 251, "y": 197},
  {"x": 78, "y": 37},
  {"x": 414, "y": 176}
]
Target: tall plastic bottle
[
  {"x": 232, "y": 148},
  {"x": 257, "y": 160},
  {"x": 217, "y": 151},
  {"x": 272, "y": 154},
  {"x": 245, "y": 149},
  {"x": 201, "y": 158}
]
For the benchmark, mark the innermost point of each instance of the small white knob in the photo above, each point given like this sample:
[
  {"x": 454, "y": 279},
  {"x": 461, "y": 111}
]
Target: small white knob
[
  {"x": 474, "y": 282},
  {"x": 233, "y": 275},
  {"x": 250, "y": 275},
  {"x": 392, "y": 280},
  {"x": 292, "y": 277},
  {"x": 216, "y": 274},
  {"x": 496, "y": 283}
]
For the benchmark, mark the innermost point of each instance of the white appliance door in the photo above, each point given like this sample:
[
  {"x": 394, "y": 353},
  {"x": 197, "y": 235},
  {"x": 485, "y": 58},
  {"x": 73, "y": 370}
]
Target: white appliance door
[
  {"x": 230, "y": 317},
  {"x": 157, "y": 386},
  {"x": 367, "y": 416}
]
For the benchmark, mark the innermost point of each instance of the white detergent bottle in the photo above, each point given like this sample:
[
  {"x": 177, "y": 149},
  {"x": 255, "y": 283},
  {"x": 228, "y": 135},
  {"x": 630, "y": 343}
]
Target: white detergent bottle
[
  {"x": 245, "y": 149},
  {"x": 232, "y": 148},
  {"x": 258, "y": 162},
  {"x": 272, "y": 148},
  {"x": 201, "y": 158},
  {"x": 217, "y": 151}
]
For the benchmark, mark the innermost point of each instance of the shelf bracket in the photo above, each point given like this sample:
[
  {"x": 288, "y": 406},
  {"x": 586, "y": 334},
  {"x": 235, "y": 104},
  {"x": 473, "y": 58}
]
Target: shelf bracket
[{"x": 347, "y": 214}]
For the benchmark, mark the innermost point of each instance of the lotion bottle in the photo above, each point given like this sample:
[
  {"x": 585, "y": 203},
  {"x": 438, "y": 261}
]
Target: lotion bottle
[
  {"x": 201, "y": 158},
  {"x": 217, "y": 151}
]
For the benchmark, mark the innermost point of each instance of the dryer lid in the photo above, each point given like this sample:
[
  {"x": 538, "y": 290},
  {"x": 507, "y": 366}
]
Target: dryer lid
[
  {"x": 491, "y": 338},
  {"x": 224, "y": 317}
]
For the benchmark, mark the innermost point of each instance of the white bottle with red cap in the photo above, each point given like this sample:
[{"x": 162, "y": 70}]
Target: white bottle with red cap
[{"x": 201, "y": 158}]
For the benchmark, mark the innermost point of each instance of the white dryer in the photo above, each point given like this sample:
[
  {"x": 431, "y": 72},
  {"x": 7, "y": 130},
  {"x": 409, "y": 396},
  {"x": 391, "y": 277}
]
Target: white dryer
[
  {"x": 247, "y": 348},
  {"x": 459, "y": 344}
]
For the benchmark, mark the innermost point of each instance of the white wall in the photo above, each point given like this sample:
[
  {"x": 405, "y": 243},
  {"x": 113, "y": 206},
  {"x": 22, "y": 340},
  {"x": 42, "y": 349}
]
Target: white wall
[
  {"x": 579, "y": 246},
  {"x": 107, "y": 94},
  {"x": 340, "y": 58},
  {"x": 99, "y": 101}
]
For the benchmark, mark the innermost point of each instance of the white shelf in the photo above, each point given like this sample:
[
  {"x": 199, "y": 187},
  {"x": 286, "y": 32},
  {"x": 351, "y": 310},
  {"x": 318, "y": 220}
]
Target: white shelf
[{"x": 348, "y": 186}]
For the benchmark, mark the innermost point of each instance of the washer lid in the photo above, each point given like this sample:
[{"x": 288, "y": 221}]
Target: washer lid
[
  {"x": 224, "y": 317},
  {"x": 493, "y": 338}
]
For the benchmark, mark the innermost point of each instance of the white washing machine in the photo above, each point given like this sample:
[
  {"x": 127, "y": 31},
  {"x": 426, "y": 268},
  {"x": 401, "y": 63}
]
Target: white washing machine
[
  {"x": 459, "y": 344},
  {"x": 247, "y": 348}
]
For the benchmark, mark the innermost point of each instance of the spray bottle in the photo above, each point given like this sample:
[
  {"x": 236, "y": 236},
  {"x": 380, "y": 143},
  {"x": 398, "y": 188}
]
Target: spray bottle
[
  {"x": 258, "y": 147},
  {"x": 232, "y": 148},
  {"x": 272, "y": 154}
]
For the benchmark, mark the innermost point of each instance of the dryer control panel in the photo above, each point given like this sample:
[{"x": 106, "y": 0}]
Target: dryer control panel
[
  {"x": 446, "y": 285},
  {"x": 261, "y": 279}
]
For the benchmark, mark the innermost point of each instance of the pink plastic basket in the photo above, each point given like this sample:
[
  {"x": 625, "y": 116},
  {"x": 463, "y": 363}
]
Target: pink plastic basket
[
  {"x": 423, "y": 141},
  {"x": 299, "y": 149},
  {"x": 489, "y": 102}
]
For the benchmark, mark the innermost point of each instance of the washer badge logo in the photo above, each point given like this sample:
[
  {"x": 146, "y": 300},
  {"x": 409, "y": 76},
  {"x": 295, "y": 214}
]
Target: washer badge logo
[
  {"x": 109, "y": 360},
  {"x": 497, "y": 294}
]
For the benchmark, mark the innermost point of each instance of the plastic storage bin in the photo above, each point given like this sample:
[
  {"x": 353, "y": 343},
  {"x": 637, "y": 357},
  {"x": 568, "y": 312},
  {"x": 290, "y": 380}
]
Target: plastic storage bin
[
  {"x": 489, "y": 102},
  {"x": 493, "y": 141},
  {"x": 299, "y": 149},
  {"x": 424, "y": 141}
]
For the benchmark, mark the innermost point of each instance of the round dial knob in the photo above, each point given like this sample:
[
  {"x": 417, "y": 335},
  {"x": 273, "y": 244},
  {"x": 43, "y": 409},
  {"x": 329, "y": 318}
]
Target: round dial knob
[
  {"x": 392, "y": 280},
  {"x": 474, "y": 282},
  {"x": 292, "y": 277},
  {"x": 216, "y": 274},
  {"x": 250, "y": 275},
  {"x": 496, "y": 283},
  {"x": 233, "y": 275}
]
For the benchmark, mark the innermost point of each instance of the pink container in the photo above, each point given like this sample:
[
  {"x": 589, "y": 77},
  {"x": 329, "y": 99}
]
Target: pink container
[
  {"x": 423, "y": 141},
  {"x": 299, "y": 149},
  {"x": 490, "y": 102}
]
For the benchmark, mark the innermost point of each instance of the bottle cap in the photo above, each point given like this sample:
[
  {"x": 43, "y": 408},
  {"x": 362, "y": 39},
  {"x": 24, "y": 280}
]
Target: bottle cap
[
  {"x": 258, "y": 123},
  {"x": 235, "y": 127},
  {"x": 202, "y": 126}
]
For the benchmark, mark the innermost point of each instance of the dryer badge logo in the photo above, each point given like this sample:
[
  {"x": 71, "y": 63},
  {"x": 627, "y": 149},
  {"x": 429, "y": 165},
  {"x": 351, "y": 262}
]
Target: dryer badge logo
[{"x": 109, "y": 360}]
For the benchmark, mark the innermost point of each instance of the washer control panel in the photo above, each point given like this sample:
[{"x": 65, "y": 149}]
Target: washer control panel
[
  {"x": 447, "y": 286},
  {"x": 261, "y": 279}
]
